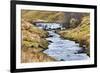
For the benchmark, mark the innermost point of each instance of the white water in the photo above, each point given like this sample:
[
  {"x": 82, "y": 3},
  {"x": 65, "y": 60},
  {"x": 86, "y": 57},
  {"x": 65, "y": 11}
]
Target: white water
[
  {"x": 62, "y": 49},
  {"x": 49, "y": 25}
]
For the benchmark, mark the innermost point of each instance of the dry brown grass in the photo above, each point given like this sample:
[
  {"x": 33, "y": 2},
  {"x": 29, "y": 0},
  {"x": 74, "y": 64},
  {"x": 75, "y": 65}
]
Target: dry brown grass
[
  {"x": 80, "y": 34},
  {"x": 33, "y": 44},
  {"x": 28, "y": 57}
]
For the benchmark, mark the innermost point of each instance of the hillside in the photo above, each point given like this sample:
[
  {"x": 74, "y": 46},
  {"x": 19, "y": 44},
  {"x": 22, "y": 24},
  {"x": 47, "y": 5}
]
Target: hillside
[
  {"x": 48, "y": 16},
  {"x": 65, "y": 18},
  {"x": 33, "y": 44}
]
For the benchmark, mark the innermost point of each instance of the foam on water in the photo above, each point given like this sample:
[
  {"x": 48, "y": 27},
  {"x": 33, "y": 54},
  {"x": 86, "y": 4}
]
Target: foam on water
[
  {"x": 62, "y": 49},
  {"x": 59, "y": 48}
]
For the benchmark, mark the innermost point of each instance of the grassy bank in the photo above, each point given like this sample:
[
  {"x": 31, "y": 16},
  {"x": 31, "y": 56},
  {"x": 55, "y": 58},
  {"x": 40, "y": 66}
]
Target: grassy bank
[
  {"x": 47, "y": 16},
  {"x": 80, "y": 34},
  {"x": 33, "y": 44}
]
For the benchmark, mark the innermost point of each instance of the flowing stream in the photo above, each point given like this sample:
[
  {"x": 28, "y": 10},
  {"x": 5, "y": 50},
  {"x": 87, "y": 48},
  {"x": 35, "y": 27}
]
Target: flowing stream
[{"x": 63, "y": 50}]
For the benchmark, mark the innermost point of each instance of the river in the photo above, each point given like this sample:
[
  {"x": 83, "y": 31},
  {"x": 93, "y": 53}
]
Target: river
[{"x": 61, "y": 49}]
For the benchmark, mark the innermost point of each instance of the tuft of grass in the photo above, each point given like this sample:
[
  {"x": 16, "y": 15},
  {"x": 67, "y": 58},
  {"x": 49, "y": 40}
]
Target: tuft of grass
[{"x": 29, "y": 57}]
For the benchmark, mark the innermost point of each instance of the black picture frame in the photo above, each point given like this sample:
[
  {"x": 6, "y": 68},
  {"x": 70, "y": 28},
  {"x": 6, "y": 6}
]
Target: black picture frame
[{"x": 13, "y": 35}]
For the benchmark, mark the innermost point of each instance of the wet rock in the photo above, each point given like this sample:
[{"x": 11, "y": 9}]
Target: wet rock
[
  {"x": 50, "y": 35},
  {"x": 61, "y": 59},
  {"x": 82, "y": 50},
  {"x": 50, "y": 41}
]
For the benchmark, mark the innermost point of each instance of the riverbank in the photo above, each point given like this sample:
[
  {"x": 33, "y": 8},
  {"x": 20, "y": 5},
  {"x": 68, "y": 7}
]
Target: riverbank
[
  {"x": 33, "y": 44},
  {"x": 64, "y": 49},
  {"x": 80, "y": 34}
]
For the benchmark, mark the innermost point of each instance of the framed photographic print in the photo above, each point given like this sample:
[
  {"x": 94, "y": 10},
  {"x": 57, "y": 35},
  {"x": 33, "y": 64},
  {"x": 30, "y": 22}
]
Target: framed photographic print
[{"x": 52, "y": 36}]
